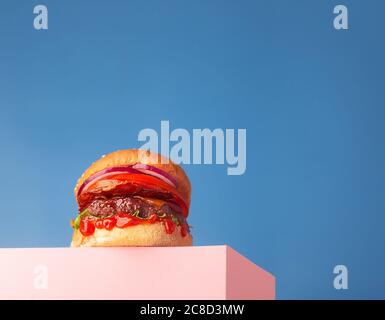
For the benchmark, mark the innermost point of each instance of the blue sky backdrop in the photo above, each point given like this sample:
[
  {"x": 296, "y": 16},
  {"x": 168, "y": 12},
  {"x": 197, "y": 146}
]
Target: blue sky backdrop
[{"x": 311, "y": 98}]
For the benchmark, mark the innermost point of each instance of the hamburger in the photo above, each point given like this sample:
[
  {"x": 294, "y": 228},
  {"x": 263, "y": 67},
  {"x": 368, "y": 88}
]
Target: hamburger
[{"x": 132, "y": 198}]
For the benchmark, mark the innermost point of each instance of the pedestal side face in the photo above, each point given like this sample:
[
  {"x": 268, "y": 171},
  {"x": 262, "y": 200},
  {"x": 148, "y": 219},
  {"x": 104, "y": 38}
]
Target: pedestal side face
[{"x": 245, "y": 280}]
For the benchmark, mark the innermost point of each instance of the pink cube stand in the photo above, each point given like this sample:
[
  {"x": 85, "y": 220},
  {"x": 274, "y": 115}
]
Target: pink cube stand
[{"x": 197, "y": 273}]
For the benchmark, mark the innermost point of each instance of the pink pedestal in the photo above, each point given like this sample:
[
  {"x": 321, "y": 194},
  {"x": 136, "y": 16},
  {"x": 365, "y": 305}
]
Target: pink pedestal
[{"x": 209, "y": 272}]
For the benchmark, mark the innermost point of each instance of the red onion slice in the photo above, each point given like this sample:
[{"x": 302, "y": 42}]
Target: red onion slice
[
  {"x": 156, "y": 172},
  {"x": 105, "y": 173}
]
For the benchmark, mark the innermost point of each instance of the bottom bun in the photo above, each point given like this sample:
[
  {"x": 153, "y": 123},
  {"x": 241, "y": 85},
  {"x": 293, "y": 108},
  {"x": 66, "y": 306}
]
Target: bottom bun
[{"x": 142, "y": 235}]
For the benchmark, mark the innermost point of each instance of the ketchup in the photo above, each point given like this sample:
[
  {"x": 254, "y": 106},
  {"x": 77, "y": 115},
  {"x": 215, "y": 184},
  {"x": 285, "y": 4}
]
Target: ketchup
[
  {"x": 99, "y": 224},
  {"x": 87, "y": 227},
  {"x": 184, "y": 229},
  {"x": 109, "y": 223},
  {"x": 169, "y": 225},
  {"x": 123, "y": 220}
]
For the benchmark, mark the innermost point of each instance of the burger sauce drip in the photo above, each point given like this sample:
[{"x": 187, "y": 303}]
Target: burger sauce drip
[{"x": 123, "y": 220}]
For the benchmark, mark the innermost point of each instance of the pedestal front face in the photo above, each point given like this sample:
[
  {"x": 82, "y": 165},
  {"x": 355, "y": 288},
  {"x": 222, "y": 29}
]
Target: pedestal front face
[{"x": 209, "y": 272}]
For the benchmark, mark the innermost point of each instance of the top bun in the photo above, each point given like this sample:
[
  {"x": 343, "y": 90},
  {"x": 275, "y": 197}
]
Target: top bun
[{"x": 134, "y": 156}]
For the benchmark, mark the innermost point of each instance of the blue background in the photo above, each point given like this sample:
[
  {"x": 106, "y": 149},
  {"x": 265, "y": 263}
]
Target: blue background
[{"x": 311, "y": 98}]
